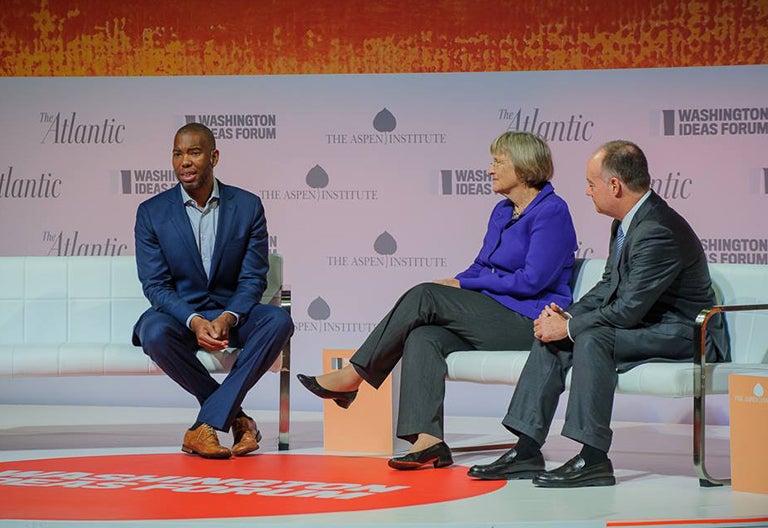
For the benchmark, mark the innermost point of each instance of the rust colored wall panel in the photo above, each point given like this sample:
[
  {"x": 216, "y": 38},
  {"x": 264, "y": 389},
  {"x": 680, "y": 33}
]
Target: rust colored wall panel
[{"x": 240, "y": 37}]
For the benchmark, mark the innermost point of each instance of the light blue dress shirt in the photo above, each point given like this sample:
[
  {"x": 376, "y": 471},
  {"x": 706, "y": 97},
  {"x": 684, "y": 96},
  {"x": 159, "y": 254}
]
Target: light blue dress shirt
[{"x": 204, "y": 222}]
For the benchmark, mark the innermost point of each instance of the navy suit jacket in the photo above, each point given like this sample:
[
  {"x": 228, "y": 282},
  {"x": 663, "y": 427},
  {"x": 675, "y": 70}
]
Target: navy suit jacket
[
  {"x": 653, "y": 294},
  {"x": 170, "y": 267}
]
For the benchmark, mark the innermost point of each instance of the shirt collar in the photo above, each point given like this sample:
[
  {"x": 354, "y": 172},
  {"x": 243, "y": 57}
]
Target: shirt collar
[
  {"x": 627, "y": 220},
  {"x": 186, "y": 198}
]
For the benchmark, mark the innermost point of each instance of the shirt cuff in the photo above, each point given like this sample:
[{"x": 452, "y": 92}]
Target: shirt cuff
[
  {"x": 568, "y": 326},
  {"x": 236, "y": 316},
  {"x": 189, "y": 319}
]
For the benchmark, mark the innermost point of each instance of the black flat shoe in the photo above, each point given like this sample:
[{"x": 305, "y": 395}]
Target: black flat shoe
[
  {"x": 342, "y": 399},
  {"x": 577, "y": 474},
  {"x": 439, "y": 454}
]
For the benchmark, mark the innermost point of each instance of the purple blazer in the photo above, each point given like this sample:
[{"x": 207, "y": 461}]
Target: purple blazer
[{"x": 528, "y": 263}]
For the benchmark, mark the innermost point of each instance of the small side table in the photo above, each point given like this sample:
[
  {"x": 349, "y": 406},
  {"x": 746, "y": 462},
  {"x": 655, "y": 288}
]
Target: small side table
[
  {"x": 748, "y": 398},
  {"x": 368, "y": 425}
]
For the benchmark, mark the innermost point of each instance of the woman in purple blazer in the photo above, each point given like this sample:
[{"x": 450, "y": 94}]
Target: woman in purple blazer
[{"x": 524, "y": 264}]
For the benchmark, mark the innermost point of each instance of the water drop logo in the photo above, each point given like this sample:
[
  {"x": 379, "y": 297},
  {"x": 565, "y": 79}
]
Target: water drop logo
[
  {"x": 383, "y": 132},
  {"x": 758, "y": 390},
  {"x": 319, "y": 310},
  {"x": 384, "y": 121},
  {"x": 317, "y": 178},
  {"x": 385, "y": 244}
]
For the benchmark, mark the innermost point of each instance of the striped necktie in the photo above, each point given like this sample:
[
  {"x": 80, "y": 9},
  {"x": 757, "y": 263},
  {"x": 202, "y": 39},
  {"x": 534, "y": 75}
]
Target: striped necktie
[{"x": 619, "y": 243}]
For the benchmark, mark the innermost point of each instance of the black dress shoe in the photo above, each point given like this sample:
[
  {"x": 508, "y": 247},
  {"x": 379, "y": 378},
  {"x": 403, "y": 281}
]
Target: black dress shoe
[
  {"x": 439, "y": 454},
  {"x": 576, "y": 474},
  {"x": 509, "y": 467},
  {"x": 342, "y": 399}
]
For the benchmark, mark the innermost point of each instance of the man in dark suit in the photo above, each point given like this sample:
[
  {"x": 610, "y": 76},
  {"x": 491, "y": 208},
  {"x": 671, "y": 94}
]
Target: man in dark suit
[
  {"x": 655, "y": 282},
  {"x": 202, "y": 258}
]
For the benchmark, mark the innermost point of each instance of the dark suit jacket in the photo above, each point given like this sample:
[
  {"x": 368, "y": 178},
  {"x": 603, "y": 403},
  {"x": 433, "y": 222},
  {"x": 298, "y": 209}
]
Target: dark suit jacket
[
  {"x": 170, "y": 267},
  {"x": 654, "y": 293}
]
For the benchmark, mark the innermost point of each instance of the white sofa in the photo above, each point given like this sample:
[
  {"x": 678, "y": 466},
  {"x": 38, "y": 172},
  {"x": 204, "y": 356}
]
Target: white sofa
[
  {"x": 73, "y": 316},
  {"x": 741, "y": 288},
  {"x": 64, "y": 316}
]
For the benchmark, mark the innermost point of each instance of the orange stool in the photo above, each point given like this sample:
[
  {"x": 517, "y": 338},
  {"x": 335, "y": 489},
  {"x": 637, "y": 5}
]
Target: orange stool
[
  {"x": 368, "y": 426},
  {"x": 748, "y": 397}
]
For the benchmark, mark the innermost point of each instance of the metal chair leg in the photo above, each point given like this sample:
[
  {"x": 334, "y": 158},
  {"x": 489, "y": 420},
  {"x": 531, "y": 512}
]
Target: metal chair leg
[{"x": 285, "y": 384}]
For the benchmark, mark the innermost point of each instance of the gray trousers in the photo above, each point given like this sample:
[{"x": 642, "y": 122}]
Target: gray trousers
[
  {"x": 590, "y": 400},
  {"x": 426, "y": 324}
]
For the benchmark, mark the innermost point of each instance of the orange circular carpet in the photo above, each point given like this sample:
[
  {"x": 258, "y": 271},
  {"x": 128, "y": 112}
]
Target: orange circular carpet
[{"x": 170, "y": 486}]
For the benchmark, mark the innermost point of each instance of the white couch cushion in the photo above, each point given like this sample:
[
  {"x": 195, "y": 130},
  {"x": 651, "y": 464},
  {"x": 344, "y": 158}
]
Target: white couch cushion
[
  {"x": 75, "y": 316},
  {"x": 736, "y": 284}
]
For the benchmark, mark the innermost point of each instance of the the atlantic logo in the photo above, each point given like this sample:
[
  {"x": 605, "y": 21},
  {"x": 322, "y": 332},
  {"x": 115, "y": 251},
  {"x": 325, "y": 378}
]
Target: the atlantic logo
[
  {"x": 715, "y": 121},
  {"x": 146, "y": 182},
  {"x": 465, "y": 182},
  {"x": 572, "y": 128},
  {"x": 68, "y": 129},
  {"x": 238, "y": 126},
  {"x": 673, "y": 187},
  {"x": 317, "y": 180},
  {"x": 584, "y": 252},
  {"x": 46, "y": 186},
  {"x": 385, "y": 247},
  {"x": 384, "y": 124},
  {"x": 61, "y": 244},
  {"x": 319, "y": 313}
]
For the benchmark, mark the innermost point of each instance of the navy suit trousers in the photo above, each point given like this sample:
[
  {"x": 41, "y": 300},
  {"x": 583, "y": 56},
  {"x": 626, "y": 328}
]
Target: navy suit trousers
[{"x": 260, "y": 336}]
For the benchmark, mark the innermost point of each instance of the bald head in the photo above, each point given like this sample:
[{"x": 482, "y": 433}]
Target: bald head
[
  {"x": 625, "y": 161},
  {"x": 201, "y": 129}
]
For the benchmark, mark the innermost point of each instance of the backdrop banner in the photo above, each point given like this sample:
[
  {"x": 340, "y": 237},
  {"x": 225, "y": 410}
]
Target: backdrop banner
[{"x": 374, "y": 183}]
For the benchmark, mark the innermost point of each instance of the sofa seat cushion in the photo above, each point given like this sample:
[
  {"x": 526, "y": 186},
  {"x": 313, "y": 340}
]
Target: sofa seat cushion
[
  {"x": 88, "y": 359},
  {"x": 672, "y": 380}
]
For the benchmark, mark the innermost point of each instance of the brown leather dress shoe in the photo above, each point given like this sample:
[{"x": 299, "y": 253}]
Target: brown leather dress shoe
[
  {"x": 202, "y": 441},
  {"x": 246, "y": 435}
]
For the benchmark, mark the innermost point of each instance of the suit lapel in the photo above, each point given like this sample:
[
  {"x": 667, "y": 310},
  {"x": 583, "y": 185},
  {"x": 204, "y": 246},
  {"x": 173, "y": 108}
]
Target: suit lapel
[
  {"x": 644, "y": 210},
  {"x": 227, "y": 212},
  {"x": 619, "y": 264},
  {"x": 651, "y": 203},
  {"x": 180, "y": 222}
]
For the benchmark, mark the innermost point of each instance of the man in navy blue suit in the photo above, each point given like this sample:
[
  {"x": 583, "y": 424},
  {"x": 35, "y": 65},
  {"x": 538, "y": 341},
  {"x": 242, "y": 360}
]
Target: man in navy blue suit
[{"x": 202, "y": 258}]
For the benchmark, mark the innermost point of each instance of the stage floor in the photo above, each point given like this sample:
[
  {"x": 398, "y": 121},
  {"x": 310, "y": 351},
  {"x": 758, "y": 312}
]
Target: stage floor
[{"x": 121, "y": 467}]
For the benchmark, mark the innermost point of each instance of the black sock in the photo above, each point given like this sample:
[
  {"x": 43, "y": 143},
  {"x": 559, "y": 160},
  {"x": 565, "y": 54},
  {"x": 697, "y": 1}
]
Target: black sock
[
  {"x": 527, "y": 447},
  {"x": 195, "y": 425},
  {"x": 593, "y": 455}
]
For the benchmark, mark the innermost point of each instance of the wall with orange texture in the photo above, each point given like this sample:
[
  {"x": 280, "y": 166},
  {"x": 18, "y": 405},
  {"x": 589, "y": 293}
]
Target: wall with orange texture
[{"x": 255, "y": 37}]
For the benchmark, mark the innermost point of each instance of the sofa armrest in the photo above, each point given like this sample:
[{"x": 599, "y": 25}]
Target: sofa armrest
[{"x": 700, "y": 384}]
